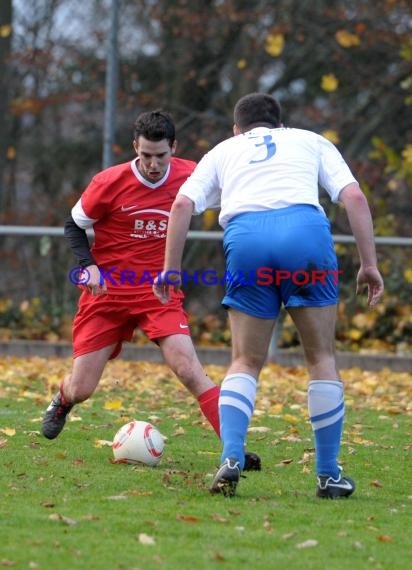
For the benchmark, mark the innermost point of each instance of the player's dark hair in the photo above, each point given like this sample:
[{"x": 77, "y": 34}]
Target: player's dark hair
[
  {"x": 155, "y": 126},
  {"x": 257, "y": 110}
]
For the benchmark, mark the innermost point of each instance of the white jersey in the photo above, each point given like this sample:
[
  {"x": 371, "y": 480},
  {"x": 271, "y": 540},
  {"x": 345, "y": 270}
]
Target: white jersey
[{"x": 266, "y": 169}]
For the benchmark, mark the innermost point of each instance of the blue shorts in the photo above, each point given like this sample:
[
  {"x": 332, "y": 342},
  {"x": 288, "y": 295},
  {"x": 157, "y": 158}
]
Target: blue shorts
[{"x": 279, "y": 256}]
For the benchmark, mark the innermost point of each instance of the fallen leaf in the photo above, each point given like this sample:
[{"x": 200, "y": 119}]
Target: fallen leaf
[
  {"x": 188, "y": 519},
  {"x": 307, "y": 544},
  {"x": 285, "y": 462},
  {"x": 307, "y": 457},
  {"x": 102, "y": 443},
  {"x": 376, "y": 483},
  {"x": 113, "y": 405},
  {"x": 267, "y": 526},
  {"x": 63, "y": 519},
  {"x": 360, "y": 441},
  {"x": 137, "y": 493},
  {"x": 385, "y": 538},
  {"x": 154, "y": 419},
  {"x": 220, "y": 519},
  {"x": 290, "y": 419},
  {"x": 276, "y": 409},
  {"x": 61, "y": 455},
  {"x": 146, "y": 539},
  {"x": 78, "y": 462},
  {"x": 8, "y": 431}
]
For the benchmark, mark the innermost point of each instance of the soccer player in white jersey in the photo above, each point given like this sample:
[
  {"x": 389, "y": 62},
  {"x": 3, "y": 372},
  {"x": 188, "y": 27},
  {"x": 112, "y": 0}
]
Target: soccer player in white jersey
[{"x": 265, "y": 180}]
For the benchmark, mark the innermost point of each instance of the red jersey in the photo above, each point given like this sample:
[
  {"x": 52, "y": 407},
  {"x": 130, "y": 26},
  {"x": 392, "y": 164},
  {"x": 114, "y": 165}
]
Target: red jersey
[{"x": 129, "y": 216}]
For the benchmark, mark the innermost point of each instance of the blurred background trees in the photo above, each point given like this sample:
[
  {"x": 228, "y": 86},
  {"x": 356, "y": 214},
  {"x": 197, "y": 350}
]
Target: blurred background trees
[{"x": 340, "y": 68}]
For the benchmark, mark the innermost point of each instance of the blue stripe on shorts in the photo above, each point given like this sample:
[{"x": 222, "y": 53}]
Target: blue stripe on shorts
[{"x": 276, "y": 257}]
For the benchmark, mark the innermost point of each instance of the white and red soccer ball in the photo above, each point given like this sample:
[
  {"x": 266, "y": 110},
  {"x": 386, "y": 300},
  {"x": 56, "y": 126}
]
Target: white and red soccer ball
[{"x": 138, "y": 442}]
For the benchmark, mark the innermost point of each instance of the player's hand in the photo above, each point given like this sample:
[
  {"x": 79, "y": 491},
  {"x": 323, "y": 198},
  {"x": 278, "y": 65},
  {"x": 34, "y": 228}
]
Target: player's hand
[
  {"x": 162, "y": 284},
  {"x": 95, "y": 285},
  {"x": 371, "y": 278}
]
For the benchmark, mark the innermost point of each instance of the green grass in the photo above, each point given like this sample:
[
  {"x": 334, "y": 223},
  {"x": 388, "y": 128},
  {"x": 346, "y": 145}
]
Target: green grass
[{"x": 64, "y": 504}]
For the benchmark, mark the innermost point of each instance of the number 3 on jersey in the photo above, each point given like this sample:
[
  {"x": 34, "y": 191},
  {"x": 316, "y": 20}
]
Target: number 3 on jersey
[{"x": 270, "y": 148}]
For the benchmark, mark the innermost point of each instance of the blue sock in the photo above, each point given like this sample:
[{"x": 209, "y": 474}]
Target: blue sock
[
  {"x": 326, "y": 411},
  {"x": 236, "y": 404}
]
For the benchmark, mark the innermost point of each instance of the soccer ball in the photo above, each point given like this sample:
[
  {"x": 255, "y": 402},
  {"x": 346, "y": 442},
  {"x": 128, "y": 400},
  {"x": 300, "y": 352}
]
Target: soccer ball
[{"x": 138, "y": 442}]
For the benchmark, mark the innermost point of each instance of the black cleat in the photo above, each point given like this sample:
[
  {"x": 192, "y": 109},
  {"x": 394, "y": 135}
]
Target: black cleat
[
  {"x": 227, "y": 478},
  {"x": 55, "y": 417},
  {"x": 330, "y": 488},
  {"x": 252, "y": 462}
]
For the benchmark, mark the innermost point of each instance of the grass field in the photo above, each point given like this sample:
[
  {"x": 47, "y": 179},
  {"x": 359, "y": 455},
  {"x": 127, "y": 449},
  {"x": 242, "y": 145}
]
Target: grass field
[{"x": 65, "y": 504}]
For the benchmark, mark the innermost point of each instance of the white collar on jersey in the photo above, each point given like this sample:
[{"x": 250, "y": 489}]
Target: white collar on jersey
[{"x": 133, "y": 166}]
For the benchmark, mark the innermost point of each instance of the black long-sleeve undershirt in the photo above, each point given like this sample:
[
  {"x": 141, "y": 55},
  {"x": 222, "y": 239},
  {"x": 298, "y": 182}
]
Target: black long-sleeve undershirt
[{"x": 79, "y": 243}]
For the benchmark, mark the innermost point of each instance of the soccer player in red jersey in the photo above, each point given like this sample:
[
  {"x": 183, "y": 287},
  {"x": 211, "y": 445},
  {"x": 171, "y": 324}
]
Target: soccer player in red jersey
[{"x": 128, "y": 207}]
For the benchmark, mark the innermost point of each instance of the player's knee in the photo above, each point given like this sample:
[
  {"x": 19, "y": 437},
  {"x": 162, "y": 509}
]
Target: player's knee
[
  {"x": 184, "y": 369},
  {"x": 322, "y": 365},
  {"x": 251, "y": 362},
  {"x": 324, "y": 356}
]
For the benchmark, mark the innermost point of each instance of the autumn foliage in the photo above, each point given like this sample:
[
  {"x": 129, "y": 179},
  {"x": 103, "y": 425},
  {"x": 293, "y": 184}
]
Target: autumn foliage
[{"x": 341, "y": 69}]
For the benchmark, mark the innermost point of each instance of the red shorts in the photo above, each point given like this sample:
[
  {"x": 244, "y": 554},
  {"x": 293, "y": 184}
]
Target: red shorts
[{"x": 111, "y": 319}]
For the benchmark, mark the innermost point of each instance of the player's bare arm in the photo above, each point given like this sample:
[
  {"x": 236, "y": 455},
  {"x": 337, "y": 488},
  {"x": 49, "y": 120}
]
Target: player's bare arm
[
  {"x": 179, "y": 222},
  {"x": 360, "y": 220}
]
